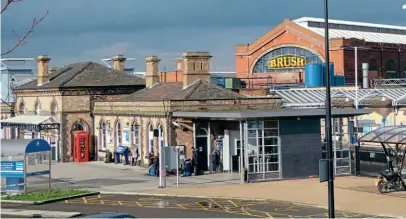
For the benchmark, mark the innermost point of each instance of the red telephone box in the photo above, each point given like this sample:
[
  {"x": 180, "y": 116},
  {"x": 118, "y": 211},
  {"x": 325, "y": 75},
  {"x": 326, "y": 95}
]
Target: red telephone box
[{"x": 81, "y": 146}]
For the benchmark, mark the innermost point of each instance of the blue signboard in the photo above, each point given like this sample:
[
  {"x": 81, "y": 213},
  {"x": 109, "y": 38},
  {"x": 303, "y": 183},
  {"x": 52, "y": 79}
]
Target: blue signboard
[
  {"x": 12, "y": 168},
  {"x": 37, "y": 145},
  {"x": 121, "y": 149}
]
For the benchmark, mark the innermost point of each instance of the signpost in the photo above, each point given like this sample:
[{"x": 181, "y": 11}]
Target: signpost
[
  {"x": 35, "y": 152},
  {"x": 32, "y": 164}
]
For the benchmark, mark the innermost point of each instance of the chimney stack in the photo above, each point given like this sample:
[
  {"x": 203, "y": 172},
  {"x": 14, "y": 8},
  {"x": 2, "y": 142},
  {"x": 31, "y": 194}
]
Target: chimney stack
[
  {"x": 152, "y": 74},
  {"x": 118, "y": 62},
  {"x": 43, "y": 76},
  {"x": 196, "y": 67}
]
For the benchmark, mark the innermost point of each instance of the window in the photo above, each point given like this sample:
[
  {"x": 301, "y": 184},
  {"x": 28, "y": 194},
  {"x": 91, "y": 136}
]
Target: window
[
  {"x": 37, "y": 108},
  {"x": 262, "y": 65},
  {"x": 179, "y": 66},
  {"x": 54, "y": 108},
  {"x": 150, "y": 139},
  {"x": 22, "y": 108},
  {"x": 135, "y": 135},
  {"x": 102, "y": 130},
  {"x": 118, "y": 133}
]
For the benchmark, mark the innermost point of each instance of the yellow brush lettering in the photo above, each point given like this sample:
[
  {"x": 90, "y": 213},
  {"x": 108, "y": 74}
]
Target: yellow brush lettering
[
  {"x": 286, "y": 62},
  {"x": 293, "y": 62},
  {"x": 272, "y": 63},
  {"x": 300, "y": 62},
  {"x": 280, "y": 63}
]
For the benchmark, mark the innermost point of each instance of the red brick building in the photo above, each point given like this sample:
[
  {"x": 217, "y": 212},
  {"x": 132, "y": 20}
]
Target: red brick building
[{"x": 274, "y": 57}]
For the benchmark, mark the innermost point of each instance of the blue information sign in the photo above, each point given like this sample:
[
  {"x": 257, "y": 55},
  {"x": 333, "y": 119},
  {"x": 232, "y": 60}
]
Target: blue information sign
[
  {"x": 121, "y": 149},
  {"x": 12, "y": 168}
]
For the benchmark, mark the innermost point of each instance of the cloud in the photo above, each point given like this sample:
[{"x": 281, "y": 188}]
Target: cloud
[
  {"x": 110, "y": 50},
  {"x": 89, "y": 30}
]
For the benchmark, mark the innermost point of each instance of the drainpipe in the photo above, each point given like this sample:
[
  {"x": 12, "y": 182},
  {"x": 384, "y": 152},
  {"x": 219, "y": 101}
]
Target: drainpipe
[
  {"x": 381, "y": 60},
  {"x": 399, "y": 69}
]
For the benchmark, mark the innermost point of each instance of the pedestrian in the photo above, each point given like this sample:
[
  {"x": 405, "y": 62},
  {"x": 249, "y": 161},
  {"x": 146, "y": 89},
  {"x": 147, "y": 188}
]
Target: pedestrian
[
  {"x": 214, "y": 161},
  {"x": 195, "y": 160},
  {"x": 156, "y": 164},
  {"x": 134, "y": 157}
]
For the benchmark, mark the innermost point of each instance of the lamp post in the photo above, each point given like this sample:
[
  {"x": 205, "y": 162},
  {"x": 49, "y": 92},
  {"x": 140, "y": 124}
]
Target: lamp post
[{"x": 328, "y": 117}]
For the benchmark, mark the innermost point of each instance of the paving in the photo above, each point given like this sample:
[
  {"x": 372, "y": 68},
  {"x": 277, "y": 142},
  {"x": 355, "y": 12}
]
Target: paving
[
  {"x": 99, "y": 176},
  {"x": 310, "y": 192},
  {"x": 171, "y": 207}
]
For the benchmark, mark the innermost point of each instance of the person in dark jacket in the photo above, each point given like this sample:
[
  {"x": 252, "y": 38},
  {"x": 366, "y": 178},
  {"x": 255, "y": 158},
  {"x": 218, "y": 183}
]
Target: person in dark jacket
[
  {"x": 214, "y": 161},
  {"x": 195, "y": 161},
  {"x": 156, "y": 164}
]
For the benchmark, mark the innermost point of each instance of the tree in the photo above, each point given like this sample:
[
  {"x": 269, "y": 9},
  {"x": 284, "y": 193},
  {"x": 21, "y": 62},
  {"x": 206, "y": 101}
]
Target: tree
[{"x": 20, "y": 40}]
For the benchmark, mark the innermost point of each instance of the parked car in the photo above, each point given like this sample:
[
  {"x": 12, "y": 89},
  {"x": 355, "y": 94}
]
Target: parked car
[{"x": 110, "y": 215}]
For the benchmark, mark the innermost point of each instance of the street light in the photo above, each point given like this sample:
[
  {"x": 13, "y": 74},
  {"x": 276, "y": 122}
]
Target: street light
[
  {"x": 328, "y": 117},
  {"x": 356, "y": 69}
]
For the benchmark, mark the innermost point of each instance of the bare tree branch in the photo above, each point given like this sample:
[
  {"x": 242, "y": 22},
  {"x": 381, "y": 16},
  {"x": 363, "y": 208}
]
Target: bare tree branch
[{"x": 21, "y": 40}]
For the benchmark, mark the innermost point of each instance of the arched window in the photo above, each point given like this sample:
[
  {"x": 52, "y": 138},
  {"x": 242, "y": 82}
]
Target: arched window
[
  {"x": 21, "y": 108},
  {"x": 150, "y": 139},
  {"x": 373, "y": 65},
  {"x": 37, "y": 108},
  {"x": 135, "y": 135},
  {"x": 102, "y": 130},
  {"x": 118, "y": 133},
  {"x": 202, "y": 132},
  {"x": 78, "y": 127},
  {"x": 54, "y": 108},
  {"x": 391, "y": 66}
]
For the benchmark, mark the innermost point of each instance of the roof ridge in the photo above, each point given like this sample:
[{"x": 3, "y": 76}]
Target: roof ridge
[
  {"x": 194, "y": 87},
  {"x": 76, "y": 74},
  {"x": 224, "y": 89}
]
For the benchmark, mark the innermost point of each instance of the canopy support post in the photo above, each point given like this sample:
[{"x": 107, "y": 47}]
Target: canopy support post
[{"x": 357, "y": 159}]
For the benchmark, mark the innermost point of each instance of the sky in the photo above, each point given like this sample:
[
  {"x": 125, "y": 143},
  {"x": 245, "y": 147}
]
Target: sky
[{"x": 90, "y": 30}]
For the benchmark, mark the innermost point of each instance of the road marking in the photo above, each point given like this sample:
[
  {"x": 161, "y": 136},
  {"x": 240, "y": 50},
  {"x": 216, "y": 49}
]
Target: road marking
[
  {"x": 138, "y": 204},
  {"x": 120, "y": 203},
  {"x": 269, "y": 215},
  {"x": 84, "y": 200},
  {"x": 102, "y": 202},
  {"x": 233, "y": 203},
  {"x": 181, "y": 206}
]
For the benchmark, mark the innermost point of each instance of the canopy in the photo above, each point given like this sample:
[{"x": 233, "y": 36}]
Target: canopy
[
  {"x": 31, "y": 122},
  {"x": 388, "y": 135},
  {"x": 274, "y": 113}
]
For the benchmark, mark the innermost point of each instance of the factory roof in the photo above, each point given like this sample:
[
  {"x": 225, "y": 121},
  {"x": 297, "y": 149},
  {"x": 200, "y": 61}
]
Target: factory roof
[
  {"x": 376, "y": 33},
  {"x": 315, "y": 98}
]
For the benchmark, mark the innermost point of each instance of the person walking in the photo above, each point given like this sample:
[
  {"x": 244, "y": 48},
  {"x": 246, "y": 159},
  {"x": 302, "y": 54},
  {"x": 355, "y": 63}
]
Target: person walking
[
  {"x": 214, "y": 161},
  {"x": 156, "y": 164},
  {"x": 195, "y": 161}
]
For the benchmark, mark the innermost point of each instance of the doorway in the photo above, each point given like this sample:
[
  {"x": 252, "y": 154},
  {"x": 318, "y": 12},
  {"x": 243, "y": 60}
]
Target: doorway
[{"x": 201, "y": 147}]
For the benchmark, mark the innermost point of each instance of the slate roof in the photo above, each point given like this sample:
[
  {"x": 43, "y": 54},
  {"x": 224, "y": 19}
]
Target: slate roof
[
  {"x": 85, "y": 74},
  {"x": 198, "y": 90}
]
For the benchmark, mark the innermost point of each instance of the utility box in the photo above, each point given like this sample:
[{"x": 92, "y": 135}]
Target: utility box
[{"x": 233, "y": 83}]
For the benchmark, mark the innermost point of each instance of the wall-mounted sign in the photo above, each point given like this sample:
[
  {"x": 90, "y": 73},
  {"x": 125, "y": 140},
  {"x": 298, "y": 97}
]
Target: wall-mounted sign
[{"x": 287, "y": 61}]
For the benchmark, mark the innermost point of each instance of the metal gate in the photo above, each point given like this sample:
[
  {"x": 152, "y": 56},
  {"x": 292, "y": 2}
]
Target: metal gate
[
  {"x": 262, "y": 152},
  {"x": 341, "y": 146}
]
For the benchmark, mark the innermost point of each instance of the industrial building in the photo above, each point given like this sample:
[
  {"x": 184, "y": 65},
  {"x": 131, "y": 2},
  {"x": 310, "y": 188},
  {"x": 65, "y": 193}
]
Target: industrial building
[{"x": 281, "y": 55}]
